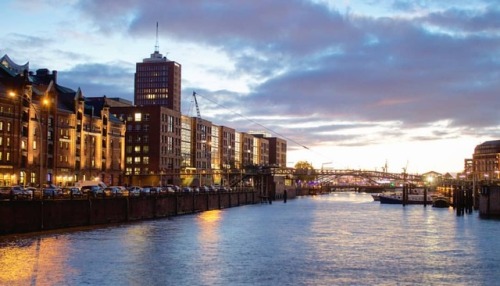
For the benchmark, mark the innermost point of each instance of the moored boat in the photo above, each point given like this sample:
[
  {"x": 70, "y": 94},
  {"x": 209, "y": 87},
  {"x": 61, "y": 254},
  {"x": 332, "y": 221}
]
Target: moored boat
[
  {"x": 441, "y": 202},
  {"x": 398, "y": 199}
]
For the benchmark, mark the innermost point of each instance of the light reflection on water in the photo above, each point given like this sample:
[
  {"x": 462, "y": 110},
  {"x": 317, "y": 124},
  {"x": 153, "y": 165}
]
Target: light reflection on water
[{"x": 336, "y": 239}]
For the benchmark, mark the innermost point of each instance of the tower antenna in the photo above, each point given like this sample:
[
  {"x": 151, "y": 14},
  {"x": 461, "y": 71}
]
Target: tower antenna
[{"x": 157, "y": 46}]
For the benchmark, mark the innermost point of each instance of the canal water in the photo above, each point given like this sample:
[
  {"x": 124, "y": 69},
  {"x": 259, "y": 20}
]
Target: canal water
[{"x": 334, "y": 239}]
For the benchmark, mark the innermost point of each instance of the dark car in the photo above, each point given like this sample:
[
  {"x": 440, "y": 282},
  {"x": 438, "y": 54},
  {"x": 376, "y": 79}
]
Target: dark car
[
  {"x": 71, "y": 192},
  {"x": 134, "y": 191},
  {"x": 51, "y": 192},
  {"x": 92, "y": 191},
  {"x": 14, "y": 193},
  {"x": 114, "y": 191}
]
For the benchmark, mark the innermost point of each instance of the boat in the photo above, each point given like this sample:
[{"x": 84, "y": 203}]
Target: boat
[
  {"x": 441, "y": 202},
  {"x": 398, "y": 199},
  {"x": 376, "y": 197}
]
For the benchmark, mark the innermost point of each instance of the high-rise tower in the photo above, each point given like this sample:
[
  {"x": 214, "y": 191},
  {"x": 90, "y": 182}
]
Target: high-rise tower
[{"x": 158, "y": 81}]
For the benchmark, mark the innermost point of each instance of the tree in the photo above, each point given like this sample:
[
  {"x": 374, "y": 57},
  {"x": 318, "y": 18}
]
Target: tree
[{"x": 304, "y": 171}]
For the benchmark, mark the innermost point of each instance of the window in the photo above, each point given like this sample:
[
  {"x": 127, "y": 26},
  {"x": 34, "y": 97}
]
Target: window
[
  {"x": 34, "y": 144},
  {"x": 137, "y": 160},
  {"x": 145, "y": 160},
  {"x": 137, "y": 149},
  {"x": 138, "y": 117},
  {"x": 8, "y": 126}
]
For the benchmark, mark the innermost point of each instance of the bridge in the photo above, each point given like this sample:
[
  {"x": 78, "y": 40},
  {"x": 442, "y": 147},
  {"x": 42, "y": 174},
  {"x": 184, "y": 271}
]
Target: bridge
[{"x": 340, "y": 177}]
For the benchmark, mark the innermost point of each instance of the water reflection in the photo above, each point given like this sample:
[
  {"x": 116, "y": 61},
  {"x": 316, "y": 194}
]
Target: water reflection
[
  {"x": 35, "y": 261},
  {"x": 209, "y": 244}
]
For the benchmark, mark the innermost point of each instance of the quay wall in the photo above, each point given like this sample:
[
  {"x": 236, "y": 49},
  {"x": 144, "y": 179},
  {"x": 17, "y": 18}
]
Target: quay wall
[{"x": 37, "y": 215}]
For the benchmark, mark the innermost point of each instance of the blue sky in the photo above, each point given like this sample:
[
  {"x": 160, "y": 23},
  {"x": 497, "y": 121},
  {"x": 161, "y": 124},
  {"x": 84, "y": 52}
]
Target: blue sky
[{"x": 359, "y": 83}]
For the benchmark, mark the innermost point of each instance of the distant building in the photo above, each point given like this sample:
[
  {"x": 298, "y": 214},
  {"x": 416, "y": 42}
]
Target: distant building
[
  {"x": 158, "y": 82},
  {"x": 485, "y": 160}
]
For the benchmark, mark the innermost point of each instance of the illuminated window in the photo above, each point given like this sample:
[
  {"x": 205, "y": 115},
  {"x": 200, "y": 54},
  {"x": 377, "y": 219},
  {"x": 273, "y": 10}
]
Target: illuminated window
[
  {"x": 145, "y": 149},
  {"x": 8, "y": 126},
  {"x": 137, "y": 149},
  {"x": 34, "y": 144},
  {"x": 137, "y": 160},
  {"x": 138, "y": 117},
  {"x": 129, "y": 160},
  {"x": 145, "y": 160},
  {"x": 23, "y": 145},
  {"x": 7, "y": 156},
  {"x": 1, "y": 125}
]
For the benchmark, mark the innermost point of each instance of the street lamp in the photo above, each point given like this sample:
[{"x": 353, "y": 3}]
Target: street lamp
[
  {"x": 228, "y": 164},
  {"x": 37, "y": 116}
]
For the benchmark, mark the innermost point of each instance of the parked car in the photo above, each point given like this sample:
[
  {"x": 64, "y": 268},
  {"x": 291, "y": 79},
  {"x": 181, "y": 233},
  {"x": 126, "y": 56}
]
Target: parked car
[
  {"x": 145, "y": 191},
  {"x": 35, "y": 193},
  {"x": 71, "y": 192},
  {"x": 121, "y": 191},
  {"x": 92, "y": 191},
  {"x": 51, "y": 192},
  {"x": 14, "y": 193},
  {"x": 168, "y": 190},
  {"x": 134, "y": 191},
  {"x": 174, "y": 187},
  {"x": 112, "y": 191},
  {"x": 156, "y": 191},
  {"x": 187, "y": 190}
]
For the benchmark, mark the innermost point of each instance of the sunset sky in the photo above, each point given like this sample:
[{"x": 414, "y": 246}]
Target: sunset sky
[{"x": 349, "y": 84}]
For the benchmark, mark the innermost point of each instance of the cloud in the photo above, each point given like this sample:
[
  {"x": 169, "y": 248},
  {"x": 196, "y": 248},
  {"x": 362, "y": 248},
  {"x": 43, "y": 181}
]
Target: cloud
[
  {"x": 392, "y": 70},
  {"x": 110, "y": 79}
]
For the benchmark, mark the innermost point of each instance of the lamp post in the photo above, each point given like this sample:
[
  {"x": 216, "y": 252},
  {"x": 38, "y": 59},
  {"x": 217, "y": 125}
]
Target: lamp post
[
  {"x": 228, "y": 164},
  {"x": 37, "y": 116}
]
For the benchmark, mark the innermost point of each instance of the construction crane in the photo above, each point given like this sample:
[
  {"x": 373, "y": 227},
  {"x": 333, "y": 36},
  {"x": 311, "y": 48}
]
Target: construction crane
[{"x": 196, "y": 104}]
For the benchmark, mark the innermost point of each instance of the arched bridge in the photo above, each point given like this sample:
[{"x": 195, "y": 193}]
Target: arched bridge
[{"x": 335, "y": 176}]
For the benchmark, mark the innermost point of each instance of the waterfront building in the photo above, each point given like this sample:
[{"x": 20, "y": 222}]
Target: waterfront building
[
  {"x": 277, "y": 152},
  {"x": 485, "y": 161},
  {"x": 152, "y": 144},
  {"x": 157, "y": 81},
  {"x": 53, "y": 134},
  {"x": 49, "y": 133},
  {"x": 246, "y": 149}
]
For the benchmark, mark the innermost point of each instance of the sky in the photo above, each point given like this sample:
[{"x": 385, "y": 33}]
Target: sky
[{"x": 358, "y": 84}]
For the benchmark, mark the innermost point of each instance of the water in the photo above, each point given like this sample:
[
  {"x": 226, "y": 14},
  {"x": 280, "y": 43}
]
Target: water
[{"x": 336, "y": 239}]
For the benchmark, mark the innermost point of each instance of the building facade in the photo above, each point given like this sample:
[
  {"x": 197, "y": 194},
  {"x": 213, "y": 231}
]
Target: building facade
[
  {"x": 158, "y": 82},
  {"x": 153, "y": 144},
  {"x": 49, "y": 133},
  {"x": 486, "y": 162}
]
